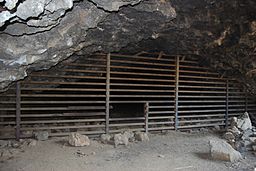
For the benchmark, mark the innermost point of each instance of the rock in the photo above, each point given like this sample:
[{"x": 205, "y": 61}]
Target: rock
[
  {"x": 4, "y": 16},
  {"x": 129, "y": 135},
  {"x": 105, "y": 138},
  {"x": 233, "y": 122},
  {"x": 203, "y": 130},
  {"x": 41, "y": 135},
  {"x": 141, "y": 136},
  {"x": 78, "y": 140},
  {"x": 244, "y": 122},
  {"x": 4, "y": 143},
  {"x": 36, "y": 7},
  {"x": 221, "y": 150},
  {"x": 10, "y": 4},
  {"x": 114, "y": 5},
  {"x": 234, "y": 130},
  {"x": 16, "y": 144},
  {"x": 32, "y": 143},
  {"x": 161, "y": 156},
  {"x": 247, "y": 133},
  {"x": 217, "y": 128},
  {"x": 5, "y": 154},
  {"x": 252, "y": 140},
  {"x": 254, "y": 147},
  {"x": 120, "y": 139},
  {"x": 229, "y": 136}
]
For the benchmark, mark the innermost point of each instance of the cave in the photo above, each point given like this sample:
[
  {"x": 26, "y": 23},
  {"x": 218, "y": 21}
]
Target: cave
[{"x": 122, "y": 67}]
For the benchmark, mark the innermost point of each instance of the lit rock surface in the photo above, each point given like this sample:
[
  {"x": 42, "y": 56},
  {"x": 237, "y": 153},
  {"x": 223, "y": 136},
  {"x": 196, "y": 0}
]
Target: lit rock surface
[
  {"x": 41, "y": 33},
  {"x": 53, "y": 34}
]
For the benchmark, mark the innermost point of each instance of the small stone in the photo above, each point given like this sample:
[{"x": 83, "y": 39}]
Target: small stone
[
  {"x": 141, "y": 136},
  {"x": 78, "y": 140},
  {"x": 105, "y": 138},
  {"x": 229, "y": 136},
  {"x": 4, "y": 143},
  {"x": 217, "y": 128},
  {"x": 221, "y": 150},
  {"x": 5, "y": 154},
  {"x": 41, "y": 135},
  {"x": 203, "y": 130},
  {"x": 129, "y": 135},
  {"x": 93, "y": 153},
  {"x": 253, "y": 140},
  {"x": 120, "y": 139},
  {"x": 16, "y": 144},
  {"x": 161, "y": 156},
  {"x": 233, "y": 122},
  {"x": 32, "y": 143}
]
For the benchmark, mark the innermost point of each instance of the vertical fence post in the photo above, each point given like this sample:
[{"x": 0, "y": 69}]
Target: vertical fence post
[
  {"x": 146, "y": 111},
  {"x": 227, "y": 101},
  {"x": 176, "y": 105},
  {"x": 107, "y": 92},
  {"x": 246, "y": 100},
  {"x": 17, "y": 131}
]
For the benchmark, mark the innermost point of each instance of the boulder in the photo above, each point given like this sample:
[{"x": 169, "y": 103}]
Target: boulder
[
  {"x": 78, "y": 140},
  {"x": 141, "y": 136},
  {"x": 129, "y": 135},
  {"x": 254, "y": 147},
  {"x": 221, "y": 150},
  {"x": 120, "y": 139},
  {"x": 41, "y": 135},
  {"x": 229, "y": 136},
  {"x": 105, "y": 138},
  {"x": 244, "y": 122}
]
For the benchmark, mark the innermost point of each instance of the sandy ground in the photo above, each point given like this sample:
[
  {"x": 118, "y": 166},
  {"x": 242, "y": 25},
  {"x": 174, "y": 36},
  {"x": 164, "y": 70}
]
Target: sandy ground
[{"x": 173, "y": 151}]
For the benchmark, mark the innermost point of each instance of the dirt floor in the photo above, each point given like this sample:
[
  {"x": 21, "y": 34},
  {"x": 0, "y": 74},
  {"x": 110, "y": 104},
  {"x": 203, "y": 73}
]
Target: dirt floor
[{"x": 172, "y": 151}]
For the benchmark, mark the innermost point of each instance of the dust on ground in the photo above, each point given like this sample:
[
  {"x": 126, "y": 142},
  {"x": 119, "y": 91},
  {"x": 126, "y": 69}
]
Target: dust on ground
[{"x": 172, "y": 151}]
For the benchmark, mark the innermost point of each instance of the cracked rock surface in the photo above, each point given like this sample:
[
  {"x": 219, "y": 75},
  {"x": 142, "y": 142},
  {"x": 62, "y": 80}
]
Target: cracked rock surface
[
  {"x": 37, "y": 34},
  {"x": 39, "y": 43}
]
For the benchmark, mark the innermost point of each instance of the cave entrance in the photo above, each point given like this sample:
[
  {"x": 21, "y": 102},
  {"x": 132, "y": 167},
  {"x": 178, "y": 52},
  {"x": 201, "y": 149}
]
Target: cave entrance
[{"x": 127, "y": 116}]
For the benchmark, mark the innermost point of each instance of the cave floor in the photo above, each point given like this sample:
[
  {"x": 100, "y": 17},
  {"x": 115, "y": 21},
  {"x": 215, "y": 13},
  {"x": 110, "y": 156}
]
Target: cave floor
[{"x": 171, "y": 151}]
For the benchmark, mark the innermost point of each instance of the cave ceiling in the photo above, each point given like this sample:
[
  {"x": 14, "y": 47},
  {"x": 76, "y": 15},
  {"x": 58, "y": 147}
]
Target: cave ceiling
[{"x": 37, "y": 34}]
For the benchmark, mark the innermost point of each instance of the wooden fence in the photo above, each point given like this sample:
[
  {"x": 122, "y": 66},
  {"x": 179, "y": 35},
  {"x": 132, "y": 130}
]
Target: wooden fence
[{"x": 110, "y": 93}]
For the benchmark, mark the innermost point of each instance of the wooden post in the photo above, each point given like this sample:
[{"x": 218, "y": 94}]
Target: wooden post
[
  {"x": 177, "y": 92},
  {"x": 107, "y": 92},
  {"x": 246, "y": 100},
  {"x": 227, "y": 101},
  {"x": 17, "y": 131},
  {"x": 146, "y": 110}
]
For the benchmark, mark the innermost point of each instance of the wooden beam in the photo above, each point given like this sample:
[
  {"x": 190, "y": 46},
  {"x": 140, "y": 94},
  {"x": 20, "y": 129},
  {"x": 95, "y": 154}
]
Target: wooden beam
[
  {"x": 176, "y": 92},
  {"x": 18, "y": 108},
  {"x": 146, "y": 112},
  {"x": 107, "y": 92},
  {"x": 227, "y": 103}
]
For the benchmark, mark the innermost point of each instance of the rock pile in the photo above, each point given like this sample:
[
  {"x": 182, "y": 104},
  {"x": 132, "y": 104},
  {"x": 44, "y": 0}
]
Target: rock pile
[
  {"x": 123, "y": 138},
  {"x": 10, "y": 148},
  {"x": 241, "y": 135}
]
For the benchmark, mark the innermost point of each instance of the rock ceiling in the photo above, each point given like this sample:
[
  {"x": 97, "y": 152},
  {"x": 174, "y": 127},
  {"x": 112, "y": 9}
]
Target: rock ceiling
[{"x": 37, "y": 34}]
